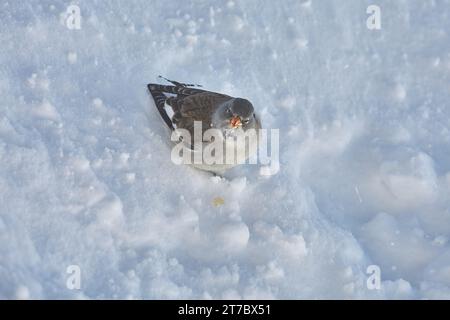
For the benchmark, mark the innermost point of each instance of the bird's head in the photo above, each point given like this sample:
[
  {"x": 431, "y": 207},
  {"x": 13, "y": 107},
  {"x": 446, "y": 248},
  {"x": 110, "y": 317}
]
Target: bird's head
[{"x": 235, "y": 114}]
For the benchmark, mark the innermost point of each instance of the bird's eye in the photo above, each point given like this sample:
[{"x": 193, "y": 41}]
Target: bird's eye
[
  {"x": 229, "y": 111},
  {"x": 246, "y": 121}
]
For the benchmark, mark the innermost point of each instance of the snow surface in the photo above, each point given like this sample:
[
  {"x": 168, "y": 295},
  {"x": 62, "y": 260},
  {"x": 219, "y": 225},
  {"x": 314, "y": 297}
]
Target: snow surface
[{"x": 86, "y": 177}]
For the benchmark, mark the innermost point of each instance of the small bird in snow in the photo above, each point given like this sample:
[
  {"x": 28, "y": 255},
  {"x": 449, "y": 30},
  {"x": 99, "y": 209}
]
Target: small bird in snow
[{"x": 231, "y": 117}]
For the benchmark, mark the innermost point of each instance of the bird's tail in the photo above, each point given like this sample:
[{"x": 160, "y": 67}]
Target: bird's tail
[
  {"x": 181, "y": 90},
  {"x": 160, "y": 98},
  {"x": 179, "y": 84}
]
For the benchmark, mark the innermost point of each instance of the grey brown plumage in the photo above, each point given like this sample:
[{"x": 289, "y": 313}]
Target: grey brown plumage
[
  {"x": 197, "y": 107},
  {"x": 212, "y": 109}
]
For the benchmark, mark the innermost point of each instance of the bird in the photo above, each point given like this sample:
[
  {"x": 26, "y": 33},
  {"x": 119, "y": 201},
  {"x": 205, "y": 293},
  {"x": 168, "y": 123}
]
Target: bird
[{"x": 231, "y": 118}]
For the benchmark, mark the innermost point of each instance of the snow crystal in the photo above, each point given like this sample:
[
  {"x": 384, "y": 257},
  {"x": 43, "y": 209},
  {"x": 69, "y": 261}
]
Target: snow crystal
[
  {"x": 46, "y": 111},
  {"x": 233, "y": 237},
  {"x": 72, "y": 57}
]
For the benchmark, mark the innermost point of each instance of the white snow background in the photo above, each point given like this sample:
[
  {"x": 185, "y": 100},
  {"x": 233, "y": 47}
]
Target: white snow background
[{"x": 85, "y": 171}]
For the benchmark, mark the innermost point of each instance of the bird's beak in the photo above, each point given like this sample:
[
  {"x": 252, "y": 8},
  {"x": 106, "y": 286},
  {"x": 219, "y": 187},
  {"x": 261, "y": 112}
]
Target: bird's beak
[{"x": 235, "y": 122}]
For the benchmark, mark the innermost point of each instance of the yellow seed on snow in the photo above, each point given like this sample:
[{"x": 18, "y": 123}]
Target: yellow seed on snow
[{"x": 218, "y": 201}]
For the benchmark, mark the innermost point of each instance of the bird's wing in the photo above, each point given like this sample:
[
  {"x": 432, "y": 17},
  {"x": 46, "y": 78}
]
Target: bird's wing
[
  {"x": 200, "y": 107},
  {"x": 257, "y": 122},
  {"x": 197, "y": 107}
]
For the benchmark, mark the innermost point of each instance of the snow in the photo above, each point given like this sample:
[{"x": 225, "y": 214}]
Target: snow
[{"x": 86, "y": 178}]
